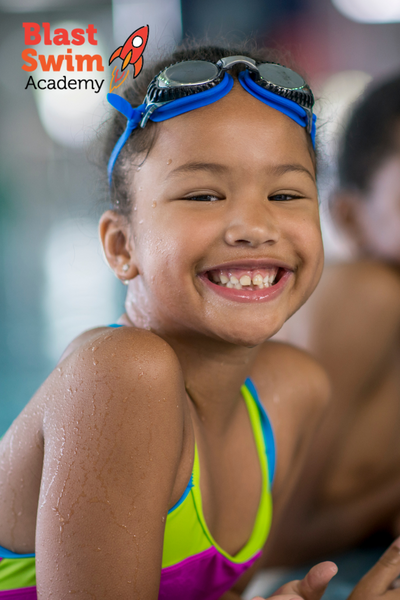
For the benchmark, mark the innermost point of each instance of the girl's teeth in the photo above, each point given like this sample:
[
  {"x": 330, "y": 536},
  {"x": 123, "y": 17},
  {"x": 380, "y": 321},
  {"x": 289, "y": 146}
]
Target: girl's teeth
[
  {"x": 253, "y": 282},
  {"x": 269, "y": 279},
  {"x": 245, "y": 280}
]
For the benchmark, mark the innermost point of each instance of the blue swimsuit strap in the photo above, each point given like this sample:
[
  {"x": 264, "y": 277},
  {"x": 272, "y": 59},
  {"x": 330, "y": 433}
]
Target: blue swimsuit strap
[
  {"x": 4, "y": 553},
  {"x": 268, "y": 432}
]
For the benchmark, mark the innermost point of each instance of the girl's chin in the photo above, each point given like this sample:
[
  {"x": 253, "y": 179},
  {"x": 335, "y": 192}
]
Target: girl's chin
[{"x": 248, "y": 337}]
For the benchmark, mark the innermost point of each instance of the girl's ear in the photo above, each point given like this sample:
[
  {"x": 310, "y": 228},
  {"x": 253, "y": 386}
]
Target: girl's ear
[{"x": 118, "y": 245}]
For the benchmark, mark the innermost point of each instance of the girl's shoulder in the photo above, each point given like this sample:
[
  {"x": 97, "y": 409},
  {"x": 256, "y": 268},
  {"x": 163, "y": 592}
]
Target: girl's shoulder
[
  {"x": 132, "y": 373},
  {"x": 286, "y": 374},
  {"x": 136, "y": 339}
]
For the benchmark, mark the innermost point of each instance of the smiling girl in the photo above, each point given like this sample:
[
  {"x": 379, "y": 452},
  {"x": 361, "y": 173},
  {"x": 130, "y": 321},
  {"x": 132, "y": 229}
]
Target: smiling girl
[{"x": 143, "y": 466}]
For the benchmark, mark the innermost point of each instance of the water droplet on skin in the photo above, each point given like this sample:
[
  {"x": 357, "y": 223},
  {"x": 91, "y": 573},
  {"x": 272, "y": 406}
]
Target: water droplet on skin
[
  {"x": 141, "y": 221},
  {"x": 95, "y": 362},
  {"x": 153, "y": 204},
  {"x": 169, "y": 161}
]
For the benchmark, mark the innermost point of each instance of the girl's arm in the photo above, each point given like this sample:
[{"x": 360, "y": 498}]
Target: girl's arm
[
  {"x": 113, "y": 443},
  {"x": 21, "y": 460}
]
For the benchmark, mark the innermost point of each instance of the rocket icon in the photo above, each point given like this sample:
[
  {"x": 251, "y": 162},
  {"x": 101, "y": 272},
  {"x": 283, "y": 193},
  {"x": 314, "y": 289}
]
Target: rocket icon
[{"x": 131, "y": 52}]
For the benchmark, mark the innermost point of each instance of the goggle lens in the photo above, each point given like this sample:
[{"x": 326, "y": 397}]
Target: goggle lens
[
  {"x": 194, "y": 72},
  {"x": 282, "y": 76}
]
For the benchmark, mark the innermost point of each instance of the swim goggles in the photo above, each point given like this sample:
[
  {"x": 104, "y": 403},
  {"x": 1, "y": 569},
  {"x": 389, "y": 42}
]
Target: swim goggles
[{"x": 188, "y": 85}]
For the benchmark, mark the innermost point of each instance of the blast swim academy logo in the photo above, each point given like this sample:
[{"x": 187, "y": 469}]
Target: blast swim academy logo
[
  {"x": 66, "y": 62},
  {"x": 71, "y": 65},
  {"x": 130, "y": 54}
]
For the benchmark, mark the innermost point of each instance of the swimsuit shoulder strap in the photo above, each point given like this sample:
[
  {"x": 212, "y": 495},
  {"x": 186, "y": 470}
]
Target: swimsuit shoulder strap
[{"x": 268, "y": 433}]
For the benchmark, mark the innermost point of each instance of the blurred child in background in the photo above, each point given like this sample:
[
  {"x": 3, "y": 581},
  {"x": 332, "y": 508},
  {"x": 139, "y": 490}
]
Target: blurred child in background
[{"x": 350, "y": 488}]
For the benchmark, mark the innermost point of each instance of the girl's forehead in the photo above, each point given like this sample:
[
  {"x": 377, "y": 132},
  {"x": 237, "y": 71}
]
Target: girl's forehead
[{"x": 238, "y": 127}]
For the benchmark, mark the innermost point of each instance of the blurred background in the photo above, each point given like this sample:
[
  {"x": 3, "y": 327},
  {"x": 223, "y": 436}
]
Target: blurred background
[{"x": 53, "y": 280}]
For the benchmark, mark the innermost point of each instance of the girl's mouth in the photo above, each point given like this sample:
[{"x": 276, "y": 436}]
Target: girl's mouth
[
  {"x": 249, "y": 279},
  {"x": 247, "y": 283}
]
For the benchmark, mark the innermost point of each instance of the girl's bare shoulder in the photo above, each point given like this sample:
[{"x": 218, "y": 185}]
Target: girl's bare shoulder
[
  {"x": 125, "y": 365},
  {"x": 287, "y": 375}
]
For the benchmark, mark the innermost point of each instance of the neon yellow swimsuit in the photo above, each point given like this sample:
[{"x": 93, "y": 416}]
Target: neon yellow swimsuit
[{"x": 194, "y": 566}]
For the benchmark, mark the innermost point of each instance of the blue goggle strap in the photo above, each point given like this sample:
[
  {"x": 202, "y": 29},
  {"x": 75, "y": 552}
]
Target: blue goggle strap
[
  {"x": 288, "y": 107},
  {"x": 167, "y": 111},
  {"x": 134, "y": 116},
  {"x": 182, "y": 105}
]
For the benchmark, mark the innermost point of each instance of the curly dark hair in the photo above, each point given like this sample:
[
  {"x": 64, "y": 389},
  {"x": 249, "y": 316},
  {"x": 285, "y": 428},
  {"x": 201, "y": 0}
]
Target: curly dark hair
[{"x": 141, "y": 140}]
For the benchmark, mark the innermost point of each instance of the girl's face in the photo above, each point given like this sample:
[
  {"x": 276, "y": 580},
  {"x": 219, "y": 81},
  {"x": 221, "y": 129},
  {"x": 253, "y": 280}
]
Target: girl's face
[
  {"x": 378, "y": 213},
  {"x": 225, "y": 223}
]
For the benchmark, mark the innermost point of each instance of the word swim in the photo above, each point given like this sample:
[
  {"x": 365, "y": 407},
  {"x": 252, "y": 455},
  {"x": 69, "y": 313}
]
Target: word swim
[
  {"x": 55, "y": 63},
  {"x": 64, "y": 84}
]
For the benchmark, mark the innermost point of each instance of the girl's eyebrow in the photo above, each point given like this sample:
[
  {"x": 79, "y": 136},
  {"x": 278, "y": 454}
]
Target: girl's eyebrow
[
  {"x": 282, "y": 169},
  {"x": 189, "y": 167},
  {"x": 217, "y": 168}
]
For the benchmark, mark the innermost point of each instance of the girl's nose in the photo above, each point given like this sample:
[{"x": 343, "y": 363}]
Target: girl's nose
[{"x": 252, "y": 224}]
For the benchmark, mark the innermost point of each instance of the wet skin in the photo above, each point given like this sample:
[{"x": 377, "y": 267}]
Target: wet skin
[
  {"x": 119, "y": 416},
  {"x": 352, "y": 325}
]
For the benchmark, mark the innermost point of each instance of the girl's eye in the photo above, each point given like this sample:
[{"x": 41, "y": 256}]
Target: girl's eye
[
  {"x": 284, "y": 197},
  {"x": 203, "y": 198}
]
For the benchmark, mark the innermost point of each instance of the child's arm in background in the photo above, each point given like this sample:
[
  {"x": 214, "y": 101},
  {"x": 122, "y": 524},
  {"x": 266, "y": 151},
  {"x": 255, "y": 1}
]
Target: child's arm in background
[{"x": 356, "y": 323}]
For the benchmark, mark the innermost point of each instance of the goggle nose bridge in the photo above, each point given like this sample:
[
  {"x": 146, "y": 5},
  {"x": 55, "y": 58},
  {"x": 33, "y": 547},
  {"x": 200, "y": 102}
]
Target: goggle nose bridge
[{"x": 229, "y": 61}]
